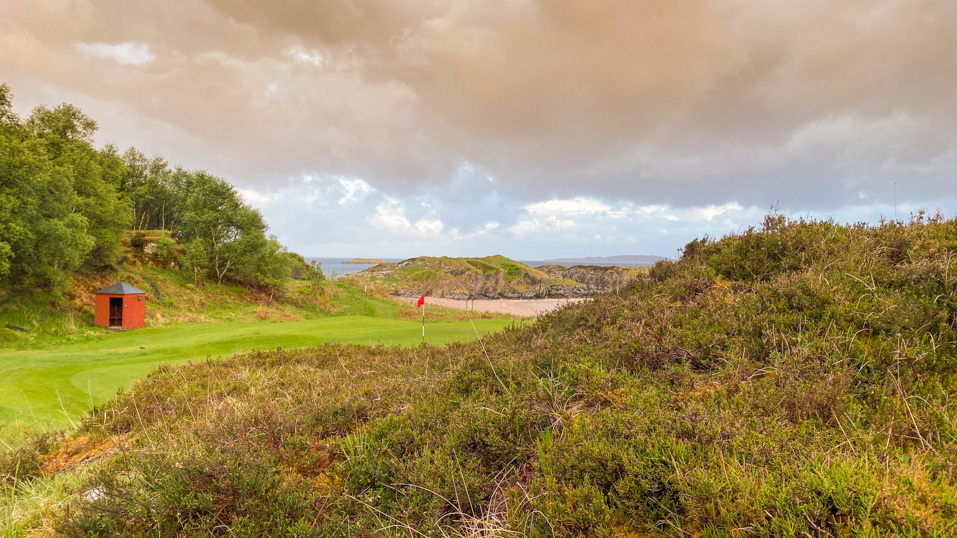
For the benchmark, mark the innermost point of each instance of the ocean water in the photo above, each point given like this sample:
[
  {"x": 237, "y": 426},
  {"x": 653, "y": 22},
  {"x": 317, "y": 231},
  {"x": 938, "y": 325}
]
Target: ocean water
[{"x": 336, "y": 266}]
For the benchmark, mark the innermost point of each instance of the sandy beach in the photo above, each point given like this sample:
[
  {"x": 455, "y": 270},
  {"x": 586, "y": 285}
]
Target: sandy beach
[{"x": 516, "y": 307}]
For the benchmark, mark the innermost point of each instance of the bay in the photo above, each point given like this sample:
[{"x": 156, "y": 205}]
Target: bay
[{"x": 333, "y": 267}]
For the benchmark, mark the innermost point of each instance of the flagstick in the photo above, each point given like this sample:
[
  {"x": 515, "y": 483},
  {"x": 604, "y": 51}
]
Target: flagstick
[{"x": 423, "y": 321}]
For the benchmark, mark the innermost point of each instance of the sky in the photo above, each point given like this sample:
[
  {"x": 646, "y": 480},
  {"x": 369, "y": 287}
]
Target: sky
[{"x": 532, "y": 129}]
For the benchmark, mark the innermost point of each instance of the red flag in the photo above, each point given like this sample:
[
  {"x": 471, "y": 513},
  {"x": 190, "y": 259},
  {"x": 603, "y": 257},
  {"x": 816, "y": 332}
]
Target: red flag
[{"x": 421, "y": 301}]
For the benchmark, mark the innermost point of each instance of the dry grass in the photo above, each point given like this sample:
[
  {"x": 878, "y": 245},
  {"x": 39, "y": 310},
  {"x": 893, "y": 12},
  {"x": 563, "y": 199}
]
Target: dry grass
[{"x": 792, "y": 380}]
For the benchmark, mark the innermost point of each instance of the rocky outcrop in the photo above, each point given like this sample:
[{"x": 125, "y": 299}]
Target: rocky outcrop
[
  {"x": 546, "y": 282},
  {"x": 594, "y": 276}
]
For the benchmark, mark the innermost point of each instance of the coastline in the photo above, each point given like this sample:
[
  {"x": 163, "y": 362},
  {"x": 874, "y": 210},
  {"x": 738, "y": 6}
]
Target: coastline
[{"x": 515, "y": 307}]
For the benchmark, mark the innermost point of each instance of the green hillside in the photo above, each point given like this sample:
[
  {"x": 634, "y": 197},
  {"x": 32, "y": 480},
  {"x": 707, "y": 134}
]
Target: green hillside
[
  {"x": 793, "y": 380},
  {"x": 55, "y": 364},
  {"x": 492, "y": 277}
]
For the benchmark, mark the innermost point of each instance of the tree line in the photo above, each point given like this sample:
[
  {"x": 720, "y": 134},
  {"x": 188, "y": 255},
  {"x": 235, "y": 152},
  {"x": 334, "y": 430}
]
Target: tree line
[{"x": 65, "y": 206}]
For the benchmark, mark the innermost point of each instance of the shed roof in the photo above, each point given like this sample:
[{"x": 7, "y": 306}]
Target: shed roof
[{"x": 121, "y": 288}]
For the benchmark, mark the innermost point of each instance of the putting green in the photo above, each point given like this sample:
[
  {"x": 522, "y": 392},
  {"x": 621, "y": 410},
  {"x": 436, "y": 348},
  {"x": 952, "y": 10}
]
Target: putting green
[{"x": 50, "y": 387}]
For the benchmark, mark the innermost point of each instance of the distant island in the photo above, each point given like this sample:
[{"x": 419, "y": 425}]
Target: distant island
[{"x": 365, "y": 261}]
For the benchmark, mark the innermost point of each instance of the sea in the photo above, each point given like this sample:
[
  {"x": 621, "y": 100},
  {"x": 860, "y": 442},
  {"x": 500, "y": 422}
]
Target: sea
[{"x": 335, "y": 267}]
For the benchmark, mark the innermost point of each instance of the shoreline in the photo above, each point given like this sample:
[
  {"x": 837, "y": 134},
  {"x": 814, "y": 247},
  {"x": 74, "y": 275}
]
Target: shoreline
[{"x": 516, "y": 307}]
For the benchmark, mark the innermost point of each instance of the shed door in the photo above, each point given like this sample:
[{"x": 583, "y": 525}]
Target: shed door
[{"x": 116, "y": 311}]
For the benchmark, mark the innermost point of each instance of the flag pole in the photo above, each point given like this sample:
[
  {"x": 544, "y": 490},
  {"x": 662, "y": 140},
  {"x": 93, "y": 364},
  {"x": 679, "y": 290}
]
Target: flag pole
[{"x": 421, "y": 304}]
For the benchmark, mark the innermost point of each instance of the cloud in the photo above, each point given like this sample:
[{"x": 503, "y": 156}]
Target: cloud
[
  {"x": 310, "y": 57},
  {"x": 559, "y": 120},
  {"x": 550, "y": 225},
  {"x": 712, "y": 211},
  {"x": 390, "y": 217},
  {"x": 575, "y": 206},
  {"x": 353, "y": 190},
  {"x": 123, "y": 53}
]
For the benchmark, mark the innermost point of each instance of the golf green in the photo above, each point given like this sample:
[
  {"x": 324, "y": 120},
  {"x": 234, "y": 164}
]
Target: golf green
[{"x": 53, "y": 386}]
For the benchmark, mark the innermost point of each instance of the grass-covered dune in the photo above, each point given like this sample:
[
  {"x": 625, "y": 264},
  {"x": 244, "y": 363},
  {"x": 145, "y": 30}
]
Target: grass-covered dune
[
  {"x": 492, "y": 277},
  {"x": 792, "y": 380}
]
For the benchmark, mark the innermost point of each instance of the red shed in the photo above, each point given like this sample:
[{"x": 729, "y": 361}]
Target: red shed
[{"x": 120, "y": 305}]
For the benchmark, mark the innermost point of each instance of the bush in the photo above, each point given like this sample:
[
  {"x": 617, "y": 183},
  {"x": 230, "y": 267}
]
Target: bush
[
  {"x": 794, "y": 379},
  {"x": 164, "y": 249},
  {"x": 138, "y": 240}
]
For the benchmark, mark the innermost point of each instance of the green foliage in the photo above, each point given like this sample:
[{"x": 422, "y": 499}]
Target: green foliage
[
  {"x": 65, "y": 205},
  {"x": 792, "y": 380},
  {"x": 225, "y": 237},
  {"x": 44, "y": 239},
  {"x": 796, "y": 378},
  {"x": 164, "y": 249},
  {"x": 66, "y": 135},
  {"x": 7, "y": 117},
  {"x": 512, "y": 272},
  {"x": 157, "y": 194},
  {"x": 198, "y": 255},
  {"x": 61, "y": 124},
  {"x": 273, "y": 266},
  {"x": 60, "y": 205},
  {"x": 494, "y": 277}
]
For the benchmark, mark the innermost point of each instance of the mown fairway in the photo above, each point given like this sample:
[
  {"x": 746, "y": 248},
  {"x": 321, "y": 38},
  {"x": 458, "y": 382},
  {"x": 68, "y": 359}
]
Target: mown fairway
[{"x": 45, "y": 386}]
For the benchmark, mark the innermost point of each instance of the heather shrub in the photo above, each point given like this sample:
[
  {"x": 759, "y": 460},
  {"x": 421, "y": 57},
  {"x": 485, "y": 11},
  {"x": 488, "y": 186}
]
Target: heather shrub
[{"x": 793, "y": 379}]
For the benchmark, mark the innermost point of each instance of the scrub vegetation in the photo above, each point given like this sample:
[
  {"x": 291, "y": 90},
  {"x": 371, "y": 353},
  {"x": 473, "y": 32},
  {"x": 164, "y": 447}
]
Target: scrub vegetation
[
  {"x": 492, "y": 277},
  {"x": 53, "y": 373},
  {"x": 797, "y": 379}
]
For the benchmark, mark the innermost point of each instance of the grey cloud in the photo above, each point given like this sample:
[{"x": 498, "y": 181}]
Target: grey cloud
[{"x": 815, "y": 105}]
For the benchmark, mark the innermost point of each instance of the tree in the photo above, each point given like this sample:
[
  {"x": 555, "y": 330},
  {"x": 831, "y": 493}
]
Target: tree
[
  {"x": 164, "y": 250},
  {"x": 66, "y": 134},
  {"x": 316, "y": 276},
  {"x": 43, "y": 240},
  {"x": 10, "y": 227},
  {"x": 224, "y": 236},
  {"x": 6, "y": 107},
  {"x": 273, "y": 266},
  {"x": 197, "y": 258},
  {"x": 157, "y": 193},
  {"x": 64, "y": 122},
  {"x": 65, "y": 204}
]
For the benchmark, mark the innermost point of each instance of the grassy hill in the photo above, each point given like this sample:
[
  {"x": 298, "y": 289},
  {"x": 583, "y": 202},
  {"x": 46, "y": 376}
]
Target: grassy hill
[
  {"x": 492, "y": 277},
  {"x": 60, "y": 365},
  {"x": 172, "y": 296},
  {"x": 797, "y": 379}
]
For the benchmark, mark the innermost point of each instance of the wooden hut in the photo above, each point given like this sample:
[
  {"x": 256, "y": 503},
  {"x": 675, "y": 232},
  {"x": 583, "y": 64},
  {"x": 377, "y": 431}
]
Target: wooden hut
[{"x": 121, "y": 306}]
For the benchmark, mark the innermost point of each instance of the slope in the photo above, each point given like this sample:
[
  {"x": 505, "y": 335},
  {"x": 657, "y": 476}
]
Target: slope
[
  {"x": 492, "y": 277},
  {"x": 796, "y": 379}
]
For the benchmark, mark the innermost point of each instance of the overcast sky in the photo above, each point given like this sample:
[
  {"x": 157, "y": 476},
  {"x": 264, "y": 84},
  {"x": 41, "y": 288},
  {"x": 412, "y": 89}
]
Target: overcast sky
[{"x": 555, "y": 128}]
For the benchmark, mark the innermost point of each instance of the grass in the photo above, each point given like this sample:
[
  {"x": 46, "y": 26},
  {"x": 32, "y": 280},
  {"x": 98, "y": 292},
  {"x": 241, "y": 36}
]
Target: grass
[
  {"x": 32, "y": 504},
  {"x": 60, "y": 383},
  {"x": 52, "y": 376},
  {"x": 795, "y": 379},
  {"x": 491, "y": 277}
]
